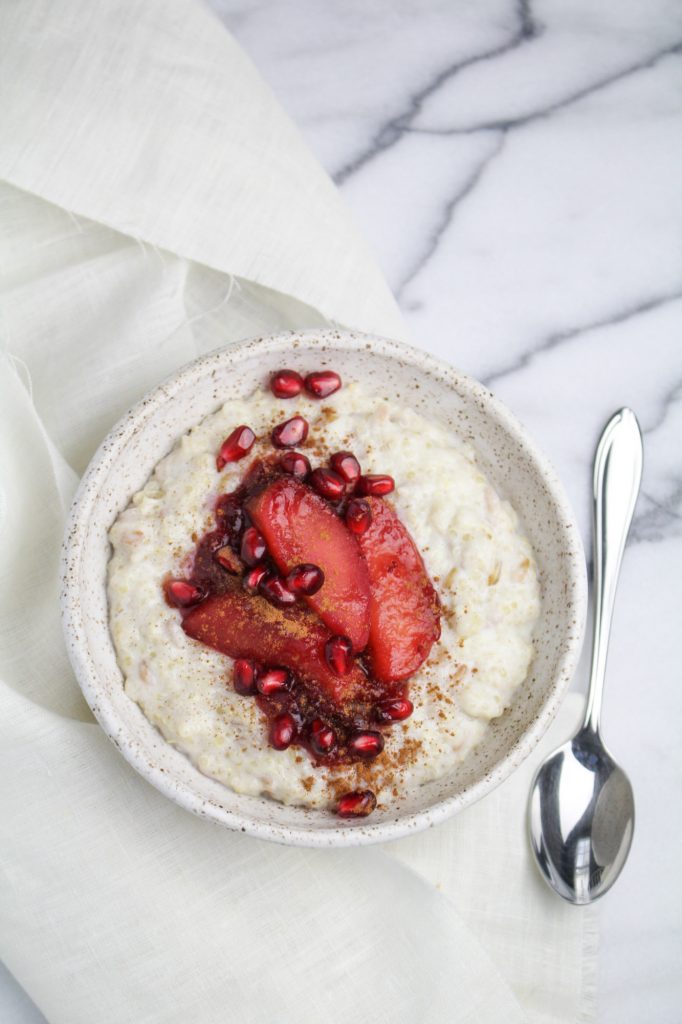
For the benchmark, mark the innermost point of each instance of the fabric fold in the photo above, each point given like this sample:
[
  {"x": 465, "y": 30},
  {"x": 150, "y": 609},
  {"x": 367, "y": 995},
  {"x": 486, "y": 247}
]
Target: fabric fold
[
  {"x": 154, "y": 915},
  {"x": 145, "y": 116}
]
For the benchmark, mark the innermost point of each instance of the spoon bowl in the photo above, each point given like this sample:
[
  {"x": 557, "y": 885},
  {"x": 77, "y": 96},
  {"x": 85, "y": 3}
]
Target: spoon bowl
[{"x": 582, "y": 816}]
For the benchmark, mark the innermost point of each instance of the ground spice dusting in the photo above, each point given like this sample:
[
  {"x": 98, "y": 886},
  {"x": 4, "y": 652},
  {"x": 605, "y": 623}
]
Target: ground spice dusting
[{"x": 386, "y": 771}]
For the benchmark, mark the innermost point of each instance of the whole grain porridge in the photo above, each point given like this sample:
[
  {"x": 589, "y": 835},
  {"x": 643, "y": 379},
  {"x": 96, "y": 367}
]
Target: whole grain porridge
[{"x": 479, "y": 563}]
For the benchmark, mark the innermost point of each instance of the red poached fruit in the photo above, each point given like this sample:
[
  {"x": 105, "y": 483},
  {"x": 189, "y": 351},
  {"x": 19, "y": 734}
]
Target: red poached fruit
[
  {"x": 246, "y": 627},
  {"x": 299, "y": 527},
  {"x": 404, "y": 614}
]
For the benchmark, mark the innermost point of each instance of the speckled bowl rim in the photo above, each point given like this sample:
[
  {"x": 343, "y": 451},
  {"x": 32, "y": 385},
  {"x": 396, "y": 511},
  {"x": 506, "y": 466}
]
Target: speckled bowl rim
[{"x": 85, "y": 501}]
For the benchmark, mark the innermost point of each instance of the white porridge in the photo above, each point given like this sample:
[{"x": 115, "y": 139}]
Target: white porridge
[{"x": 481, "y": 565}]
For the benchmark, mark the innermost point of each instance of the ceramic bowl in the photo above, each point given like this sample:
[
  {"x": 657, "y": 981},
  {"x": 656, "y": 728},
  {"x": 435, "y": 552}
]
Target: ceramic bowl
[{"x": 520, "y": 473}]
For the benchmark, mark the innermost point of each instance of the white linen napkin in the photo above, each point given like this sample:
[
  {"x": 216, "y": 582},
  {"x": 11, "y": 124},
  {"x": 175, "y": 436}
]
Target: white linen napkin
[{"x": 156, "y": 203}]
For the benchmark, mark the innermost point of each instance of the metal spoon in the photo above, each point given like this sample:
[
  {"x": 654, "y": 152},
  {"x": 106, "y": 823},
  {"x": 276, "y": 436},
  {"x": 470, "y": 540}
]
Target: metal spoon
[{"x": 582, "y": 813}]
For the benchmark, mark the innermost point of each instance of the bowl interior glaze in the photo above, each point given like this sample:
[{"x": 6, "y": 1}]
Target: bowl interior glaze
[{"x": 127, "y": 457}]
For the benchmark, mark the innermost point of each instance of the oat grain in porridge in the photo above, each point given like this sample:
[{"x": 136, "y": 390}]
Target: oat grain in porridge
[{"x": 260, "y": 732}]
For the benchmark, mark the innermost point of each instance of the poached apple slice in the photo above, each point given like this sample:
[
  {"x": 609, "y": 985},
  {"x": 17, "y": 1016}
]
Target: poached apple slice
[
  {"x": 299, "y": 527},
  {"x": 404, "y": 611},
  {"x": 242, "y": 625}
]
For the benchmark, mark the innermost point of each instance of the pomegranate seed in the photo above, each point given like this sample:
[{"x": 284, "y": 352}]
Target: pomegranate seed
[
  {"x": 395, "y": 710},
  {"x": 229, "y": 560},
  {"x": 366, "y": 744},
  {"x": 253, "y": 546},
  {"x": 295, "y": 464},
  {"x": 328, "y": 483},
  {"x": 254, "y": 577},
  {"x": 282, "y": 731},
  {"x": 305, "y": 579},
  {"x": 273, "y": 680},
  {"x": 323, "y": 383},
  {"x": 244, "y": 676},
  {"x": 376, "y": 484},
  {"x": 322, "y": 737},
  {"x": 286, "y": 384},
  {"x": 358, "y": 804},
  {"x": 183, "y": 594},
  {"x": 338, "y": 651},
  {"x": 276, "y": 591},
  {"x": 290, "y": 433},
  {"x": 236, "y": 446},
  {"x": 347, "y": 466},
  {"x": 358, "y": 516}
]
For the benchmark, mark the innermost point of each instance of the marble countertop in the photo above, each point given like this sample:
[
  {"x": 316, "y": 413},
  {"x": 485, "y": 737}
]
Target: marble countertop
[
  {"x": 516, "y": 168},
  {"x": 515, "y": 165}
]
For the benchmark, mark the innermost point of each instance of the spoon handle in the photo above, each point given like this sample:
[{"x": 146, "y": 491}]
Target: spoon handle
[{"x": 617, "y": 476}]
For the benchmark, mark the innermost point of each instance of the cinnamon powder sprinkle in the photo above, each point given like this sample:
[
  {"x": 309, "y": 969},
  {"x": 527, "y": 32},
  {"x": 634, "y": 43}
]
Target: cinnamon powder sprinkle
[{"x": 386, "y": 771}]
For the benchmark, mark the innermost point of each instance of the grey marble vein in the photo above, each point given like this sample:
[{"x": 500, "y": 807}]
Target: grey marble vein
[
  {"x": 547, "y": 344},
  {"x": 660, "y": 518},
  {"x": 667, "y": 400},
  {"x": 393, "y": 130},
  {"x": 660, "y": 515},
  {"x": 529, "y": 26},
  {"x": 508, "y": 124},
  {"x": 528, "y": 29},
  {"x": 447, "y": 215}
]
